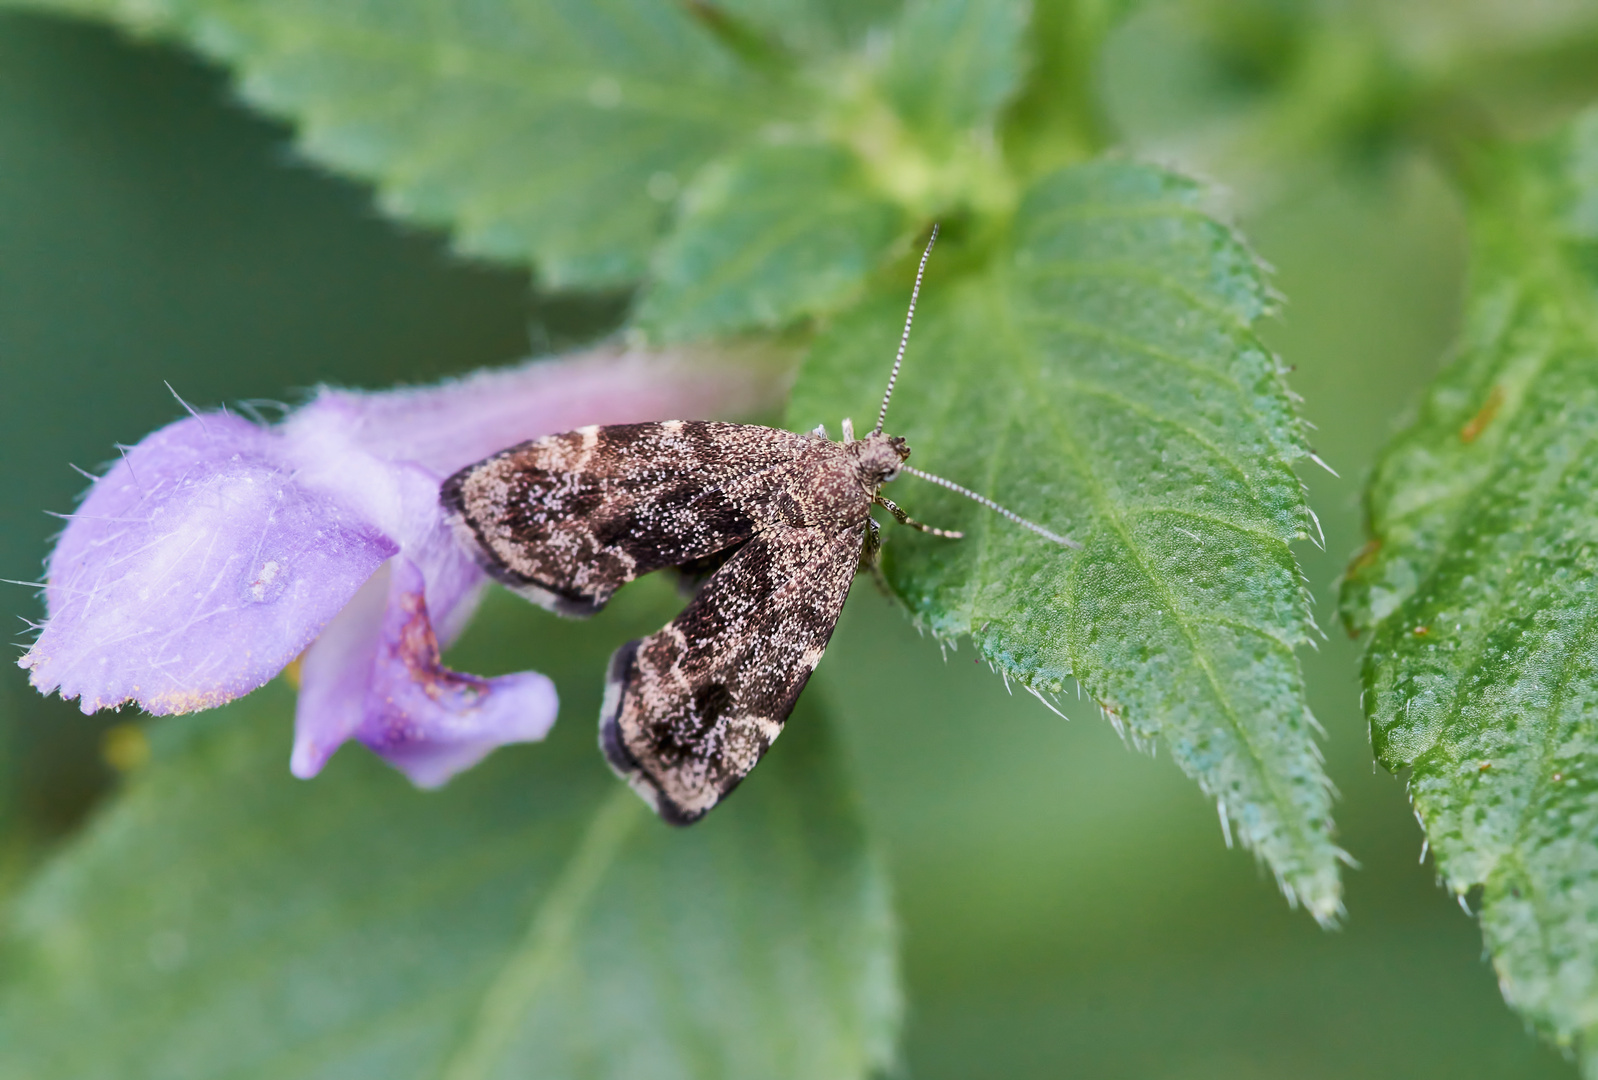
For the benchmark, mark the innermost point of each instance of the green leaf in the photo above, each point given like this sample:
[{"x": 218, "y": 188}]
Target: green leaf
[
  {"x": 1098, "y": 372},
  {"x": 1480, "y": 588},
  {"x": 769, "y": 235},
  {"x": 955, "y": 62},
  {"x": 561, "y": 134},
  {"x": 777, "y": 232},
  {"x": 531, "y": 919},
  {"x": 1056, "y": 117},
  {"x": 808, "y": 28},
  {"x": 536, "y": 131}
]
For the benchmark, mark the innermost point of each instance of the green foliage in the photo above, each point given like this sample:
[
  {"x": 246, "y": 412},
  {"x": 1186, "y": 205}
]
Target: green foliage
[
  {"x": 954, "y": 63},
  {"x": 533, "y": 919},
  {"x": 535, "y": 132},
  {"x": 1098, "y": 372},
  {"x": 1480, "y": 587},
  {"x": 562, "y": 134},
  {"x": 1098, "y": 350},
  {"x": 774, "y": 233},
  {"x": 1087, "y": 355},
  {"x": 752, "y": 161}
]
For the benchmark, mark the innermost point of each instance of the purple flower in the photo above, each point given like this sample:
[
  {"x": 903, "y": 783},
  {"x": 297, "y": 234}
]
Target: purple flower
[{"x": 219, "y": 550}]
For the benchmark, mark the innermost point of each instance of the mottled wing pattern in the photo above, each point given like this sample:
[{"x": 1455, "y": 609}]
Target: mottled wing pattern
[
  {"x": 567, "y": 519},
  {"x": 689, "y": 710}
]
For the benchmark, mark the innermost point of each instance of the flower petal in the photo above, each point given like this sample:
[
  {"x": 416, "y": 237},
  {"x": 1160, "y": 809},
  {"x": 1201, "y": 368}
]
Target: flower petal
[
  {"x": 194, "y": 571},
  {"x": 398, "y": 496},
  {"x": 335, "y": 674},
  {"x": 448, "y": 426},
  {"x": 426, "y": 720}
]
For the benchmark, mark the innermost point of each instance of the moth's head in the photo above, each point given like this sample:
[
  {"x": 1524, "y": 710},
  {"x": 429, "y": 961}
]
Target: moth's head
[{"x": 877, "y": 458}]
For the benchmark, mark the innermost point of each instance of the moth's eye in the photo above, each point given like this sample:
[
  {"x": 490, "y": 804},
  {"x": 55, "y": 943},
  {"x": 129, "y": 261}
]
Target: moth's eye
[{"x": 891, "y": 474}]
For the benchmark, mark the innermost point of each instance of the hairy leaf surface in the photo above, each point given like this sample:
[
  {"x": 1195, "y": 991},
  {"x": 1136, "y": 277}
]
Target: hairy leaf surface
[
  {"x": 1480, "y": 588},
  {"x": 532, "y": 919},
  {"x": 536, "y": 132},
  {"x": 1099, "y": 374},
  {"x": 564, "y": 135},
  {"x": 955, "y": 62},
  {"x": 769, "y": 235}
]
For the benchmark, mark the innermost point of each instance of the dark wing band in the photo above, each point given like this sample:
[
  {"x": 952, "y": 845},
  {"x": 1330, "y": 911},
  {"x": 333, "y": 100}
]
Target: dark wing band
[
  {"x": 689, "y": 710},
  {"x": 568, "y": 519}
]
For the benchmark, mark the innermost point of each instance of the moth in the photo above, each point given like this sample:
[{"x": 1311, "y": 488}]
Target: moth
[{"x": 771, "y": 525}]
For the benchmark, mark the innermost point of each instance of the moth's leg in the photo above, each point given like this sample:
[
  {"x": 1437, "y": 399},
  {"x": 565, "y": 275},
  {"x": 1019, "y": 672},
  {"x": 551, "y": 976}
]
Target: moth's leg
[
  {"x": 871, "y": 553},
  {"x": 871, "y": 556},
  {"x": 905, "y": 519}
]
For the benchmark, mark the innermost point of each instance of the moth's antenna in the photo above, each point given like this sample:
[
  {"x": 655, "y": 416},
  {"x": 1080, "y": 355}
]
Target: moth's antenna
[
  {"x": 904, "y": 339},
  {"x": 991, "y": 505}
]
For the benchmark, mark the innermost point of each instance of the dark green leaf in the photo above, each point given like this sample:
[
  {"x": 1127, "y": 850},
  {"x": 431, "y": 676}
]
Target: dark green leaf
[
  {"x": 1099, "y": 374},
  {"x": 554, "y": 133},
  {"x": 1480, "y": 588},
  {"x": 955, "y": 62},
  {"x": 769, "y": 235},
  {"x": 811, "y": 28},
  {"x": 1056, "y": 117},
  {"x": 775, "y": 232},
  {"x": 532, "y": 919},
  {"x": 561, "y": 134}
]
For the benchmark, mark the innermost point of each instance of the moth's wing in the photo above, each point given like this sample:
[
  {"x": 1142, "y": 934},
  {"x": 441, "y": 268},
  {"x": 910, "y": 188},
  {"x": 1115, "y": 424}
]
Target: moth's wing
[
  {"x": 568, "y": 519},
  {"x": 689, "y": 711},
  {"x": 692, "y": 575}
]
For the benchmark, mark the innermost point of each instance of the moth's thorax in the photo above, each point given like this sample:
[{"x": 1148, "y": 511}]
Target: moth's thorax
[{"x": 876, "y": 459}]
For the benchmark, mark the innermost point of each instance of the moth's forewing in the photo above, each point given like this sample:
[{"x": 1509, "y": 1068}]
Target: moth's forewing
[
  {"x": 692, "y": 575},
  {"x": 567, "y": 519},
  {"x": 690, "y": 710}
]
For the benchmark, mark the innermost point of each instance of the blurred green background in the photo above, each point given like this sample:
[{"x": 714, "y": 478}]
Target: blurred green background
[{"x": 1069, "y": 908}]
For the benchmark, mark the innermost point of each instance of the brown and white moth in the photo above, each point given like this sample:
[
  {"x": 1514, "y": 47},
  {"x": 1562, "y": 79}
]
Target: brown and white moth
[{"x": 776, "y": 525}]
